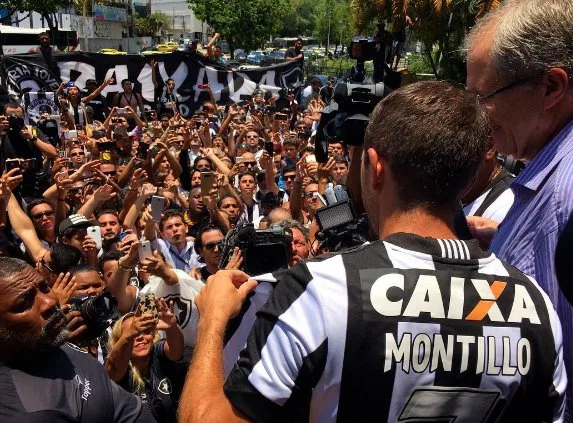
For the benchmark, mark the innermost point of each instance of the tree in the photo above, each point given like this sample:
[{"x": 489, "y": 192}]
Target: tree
[
  {"x": 46, "y": 8},
  {"x": 441, "y": 26},
  {"x": 333, "y": 14},
  {"x": 241, "y": 23},
  {"x": 147, "y": 26},
  {"x": 299, "y": 20}
]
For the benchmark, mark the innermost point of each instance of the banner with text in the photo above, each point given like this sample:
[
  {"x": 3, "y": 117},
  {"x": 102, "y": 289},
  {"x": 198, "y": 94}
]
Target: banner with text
[{"x": 29, "y": 72}]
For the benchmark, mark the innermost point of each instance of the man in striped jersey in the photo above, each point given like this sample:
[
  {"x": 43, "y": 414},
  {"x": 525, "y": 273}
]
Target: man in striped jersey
[{"x": 419, "y": 325}]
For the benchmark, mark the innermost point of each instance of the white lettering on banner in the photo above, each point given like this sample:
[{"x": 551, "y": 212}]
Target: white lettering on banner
[
  {"x": 423, "y": 351},
  {"x": 426, "y": 297},
  {"x": 86, "y": 70},
  {"x": 32, "y": 78},
  {"x": 247, "y": 88},
  {"x": 178, "y": 76},
  {"x": 119, "y": 73},
  {"x": 146, "y": 80},
  {"x": 212, "y": 80}
]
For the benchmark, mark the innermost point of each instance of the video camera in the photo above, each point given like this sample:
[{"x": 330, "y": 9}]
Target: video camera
[
  {"x": 340, "y": 227},
  {"x": 96, "y": 312},
  {"x": 15, "y": 122},
  {"x": 347, "y": 114},
  {"x": 263, "y": 250}
]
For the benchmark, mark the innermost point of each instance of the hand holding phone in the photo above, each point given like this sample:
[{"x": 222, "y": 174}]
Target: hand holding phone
[
  {"x": 144, "y": 251},
  {"x": 95, "y": 233},
  {"x": 157, "y": 206},
  {"x": 148, "y": 305},
  {"x": 207, "y": 181}
]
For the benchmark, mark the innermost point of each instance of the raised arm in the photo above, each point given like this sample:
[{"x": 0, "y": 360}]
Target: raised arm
[
  {"x": 24, "y": 228},
  {"x": 97, "y": 91}
]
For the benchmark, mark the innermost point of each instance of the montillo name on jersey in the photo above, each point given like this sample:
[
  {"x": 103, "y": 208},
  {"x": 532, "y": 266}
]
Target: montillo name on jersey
[
  {"x": 392, "y": 295},
  {"x": 422, "y": 352}
]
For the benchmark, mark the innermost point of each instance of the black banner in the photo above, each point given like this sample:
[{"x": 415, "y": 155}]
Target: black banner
[{"x": 30, "y": 72}]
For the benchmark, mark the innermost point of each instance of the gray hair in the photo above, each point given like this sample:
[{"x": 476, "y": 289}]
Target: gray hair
[
  {"x": 293, "y": 224},
  {"x": 529, "y": 36}
]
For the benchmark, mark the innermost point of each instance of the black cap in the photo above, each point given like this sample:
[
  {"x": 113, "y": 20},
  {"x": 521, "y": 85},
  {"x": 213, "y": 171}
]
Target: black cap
[
  {"x": 74, "y": 221},
  {"x": 91, "y": 81}
]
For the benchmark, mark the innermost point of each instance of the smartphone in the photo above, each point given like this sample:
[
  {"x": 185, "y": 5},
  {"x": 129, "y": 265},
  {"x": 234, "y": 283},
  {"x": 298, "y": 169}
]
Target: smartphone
[
  {"x": 11, "y": 164},
  {"x": 202, "y": 86},
  {"x": 142, "y": 150},
  {"x": 72, "y": 133},
  {"x": 28, "y": 164},
  {"x": 207, "y": 181},
  {"x": 148, "y": 305},
  {"x": 310, "y": 158},
  {"x": 270, "y": 148},
  {"x": 239, "y": 160},
  {"x": 63, "y": 154},
  {"x": 95, "y": 233},
  {"x": 154, "y": 150},
  {"x": 280, "y": 116},
  {"x": 120, "y": 111},
  {"x": 157, "y": 206},
  {"x": 144, "y": 250}
]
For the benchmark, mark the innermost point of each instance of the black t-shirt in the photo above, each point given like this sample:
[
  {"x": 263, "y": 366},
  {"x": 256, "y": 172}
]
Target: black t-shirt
[
  {"x": 163, "y": 386},
  {"x": 291, "y": 53},
  {"x": 99, "y": 106},
  {"x": 64, "y": 385}
]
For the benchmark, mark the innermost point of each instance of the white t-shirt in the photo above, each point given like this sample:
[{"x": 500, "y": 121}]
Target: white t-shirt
[{"x": 183, "y": 295}]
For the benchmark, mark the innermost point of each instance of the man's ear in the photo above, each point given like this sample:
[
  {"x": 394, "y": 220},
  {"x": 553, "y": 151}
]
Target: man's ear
[
  {"x": 376, "y": 168},
  {"x": 558, "y": 84}
]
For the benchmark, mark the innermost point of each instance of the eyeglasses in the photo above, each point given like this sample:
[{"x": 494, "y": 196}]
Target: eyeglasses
[
  {"x": 309, "y": 194},
  {"x": 210, "y": 246},
  {"x": 252, "y": 136},
  {"x": 79, "y": 153},
  {"x": 482, "y": 98},
  {"x": 47, "y": 213}
]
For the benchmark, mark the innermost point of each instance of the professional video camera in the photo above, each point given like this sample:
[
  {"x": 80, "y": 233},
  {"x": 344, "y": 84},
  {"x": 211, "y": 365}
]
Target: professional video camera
[
  {"x": 340, "y": 227},
  {"x": 16, "y": 122},
  {"x": 96, "y": 312},
  {"x": 263, "y": 250},
  {"x": 347, "y": 114}
]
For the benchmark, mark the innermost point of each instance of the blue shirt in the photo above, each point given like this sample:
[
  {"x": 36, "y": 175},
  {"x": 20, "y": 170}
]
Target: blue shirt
[
  {"x": 528, "y": 236},
  {"x": 184, "y": 260}
]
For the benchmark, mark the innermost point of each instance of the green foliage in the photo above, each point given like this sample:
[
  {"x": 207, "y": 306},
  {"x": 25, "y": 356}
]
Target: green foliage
[
  {"x": 241, "y": 23},
  {"x": 337, "y": 12},
  {"x": 299, "y": 20},
  {"x": 418, "y": 63},
  {"x": 46, "y": 8},
  {"x": 147, "y": 26}
]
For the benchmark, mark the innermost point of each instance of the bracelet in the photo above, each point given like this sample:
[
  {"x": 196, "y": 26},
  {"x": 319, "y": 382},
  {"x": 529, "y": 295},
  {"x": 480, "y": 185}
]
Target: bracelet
[{"x": 121, "y": 266}]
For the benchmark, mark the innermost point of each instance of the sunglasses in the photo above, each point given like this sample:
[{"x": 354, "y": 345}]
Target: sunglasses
[
  {"x": 110, "y": 173},
  {"x": 47, "y": 213},
  {"x": 250, "y": 163},
  {"x": 252, "y": 136},
  {"x": 309, "y": 194},
  {"x": 210, "y": 246},
  {"x": 289, "y": 177},
  {"x": 77, "y": 154}
]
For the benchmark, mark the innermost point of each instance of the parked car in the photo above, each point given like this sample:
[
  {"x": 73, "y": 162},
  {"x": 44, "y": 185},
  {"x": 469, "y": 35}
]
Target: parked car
[
  {"x": 240, "y": 55},
  {"x": 255, "y": 57},
  {"x": 272, "y": 58},
  {"x": 111, "y": 51}
]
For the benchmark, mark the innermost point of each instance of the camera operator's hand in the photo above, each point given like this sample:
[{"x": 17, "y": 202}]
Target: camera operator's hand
[
  {"x": 26, "y": 133},
  {"x": 4, "y": 124},
  {"x": 76, "y": 325},
  {"x": 482, "y": 229},
  {"x": 222, "y": 297},
  {"x": 236, "y": 260},
  {"x": 63, "y": 288},
  {"x": 166, "y": 314}
]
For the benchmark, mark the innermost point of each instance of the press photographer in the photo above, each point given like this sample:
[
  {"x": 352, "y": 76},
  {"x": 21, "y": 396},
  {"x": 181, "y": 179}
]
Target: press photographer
[{"x": 18, "y": 142}]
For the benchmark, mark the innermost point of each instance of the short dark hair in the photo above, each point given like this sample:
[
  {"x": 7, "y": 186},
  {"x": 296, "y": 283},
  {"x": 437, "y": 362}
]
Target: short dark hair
[
  {"x": 9, "y": 266},
  {"x": 246, "y": 173},
  {"x": 35, "y": 203},
  {"x": 433, "y": 136},
  {"x": 340, "y": 159},
  {"x": 168, "y": 214},
  {"x": 199, "y": 158},
  {"x": 64, "y": 257},
  {"x": 12, "y": 105},
  {"x": 290, "y": 142},
  {"x": 82, "y": 268},
  {"x": 198, "y": 243},
  {"x": 108, "y": 256},
  {"x": 125, "y": 81},
  {"x": 99, "y": 213},
  {"x": 289, "y": 168}
]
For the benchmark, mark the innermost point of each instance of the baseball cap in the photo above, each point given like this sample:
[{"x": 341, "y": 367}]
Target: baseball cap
[
  {"x": 91, "y": 81},
  {"x": 73, "y": 221}
]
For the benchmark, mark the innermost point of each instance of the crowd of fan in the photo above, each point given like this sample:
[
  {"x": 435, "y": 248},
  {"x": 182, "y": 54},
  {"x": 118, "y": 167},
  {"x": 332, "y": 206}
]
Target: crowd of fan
[{"x": 103, "y": 168}]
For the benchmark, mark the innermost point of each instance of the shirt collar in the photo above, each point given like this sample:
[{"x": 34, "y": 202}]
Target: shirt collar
[
  {"x": 537, "y": 170},
  {"x": 433, "y": 246}
]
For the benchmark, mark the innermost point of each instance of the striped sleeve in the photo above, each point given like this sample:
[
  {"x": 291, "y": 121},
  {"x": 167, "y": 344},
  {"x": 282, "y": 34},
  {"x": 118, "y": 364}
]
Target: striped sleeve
[{"x": 285, "y": 354}]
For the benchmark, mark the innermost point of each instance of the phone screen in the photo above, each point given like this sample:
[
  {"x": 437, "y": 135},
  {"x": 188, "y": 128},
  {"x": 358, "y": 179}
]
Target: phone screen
[{"x": 207, "y": 181}]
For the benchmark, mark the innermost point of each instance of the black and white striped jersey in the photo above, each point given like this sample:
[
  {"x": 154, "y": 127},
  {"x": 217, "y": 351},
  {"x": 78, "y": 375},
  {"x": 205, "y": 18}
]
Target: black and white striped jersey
[{"x": 402, "y": 330}]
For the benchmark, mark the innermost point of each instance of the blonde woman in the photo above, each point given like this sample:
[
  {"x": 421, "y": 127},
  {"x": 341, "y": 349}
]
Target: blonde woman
[{"x": 145, "y": 365}]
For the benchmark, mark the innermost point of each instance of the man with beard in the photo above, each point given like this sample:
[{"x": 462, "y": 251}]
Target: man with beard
[
  {"x": 109, "y": 223},
  {"x": 208, "y": 246},
  {"x": 41, "y": 379},
  {"x": 45, "y": 48}
]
